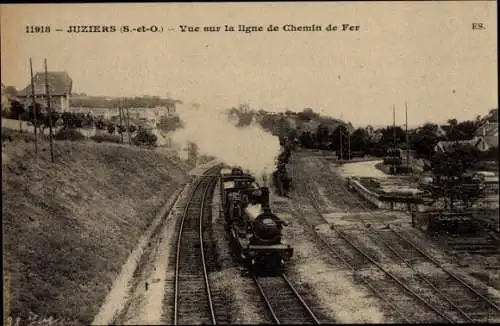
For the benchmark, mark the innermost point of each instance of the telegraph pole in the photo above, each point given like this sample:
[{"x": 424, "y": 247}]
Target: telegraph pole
[
  {"x": 394, "y": 124},
  {"x": 341, "y": 149},
  {"x": 121, "y": 125},
  {"x": 49, "y": 110},
  {"x": 407, "y": 142},
  {"x": 349, "y": 143},
  {"x": 394, "y": 135},
  {"x": 128, "y": 126},
  {"x": 34, "y": 105}
]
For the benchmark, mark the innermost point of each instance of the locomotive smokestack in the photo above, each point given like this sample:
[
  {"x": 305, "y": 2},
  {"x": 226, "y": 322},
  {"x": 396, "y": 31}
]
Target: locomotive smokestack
[{"x": 265, "y": 196}]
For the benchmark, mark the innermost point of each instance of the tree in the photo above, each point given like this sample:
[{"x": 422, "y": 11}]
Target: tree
[
  {"x": 359, "y": 140},
  {"x": 464, "y": 130},
  {"x": 111, "y": 128},
  {"x": 48, "y": 119},
  {"x": 306, "y": 140},
  {"x": 340, "y": 133},
  {"x": 452, "y": 122},
  {"x": 450, "y": 181},
  {"x": 35, "y": 117},
  {"x": 132, "y": 128},
  {"x": 307, "y": 114},
  {"x": 121, "y": 129},
  {"x": 424, "y": 140},
  {"x": 322, "y": 135},
  {"x": 388, "y": 135},
  {"x": 100, "y": 124},
  {"x": 16, "y": 109},
  {"x": 145, "y": 137},
  {"x": 73, "y": 120}
]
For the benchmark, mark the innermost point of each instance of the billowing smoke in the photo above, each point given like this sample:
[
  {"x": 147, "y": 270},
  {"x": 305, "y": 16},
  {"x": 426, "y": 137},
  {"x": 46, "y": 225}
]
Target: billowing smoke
[
  {"x": 254, "y": 210},
  {"x": 250, "y": 147}
]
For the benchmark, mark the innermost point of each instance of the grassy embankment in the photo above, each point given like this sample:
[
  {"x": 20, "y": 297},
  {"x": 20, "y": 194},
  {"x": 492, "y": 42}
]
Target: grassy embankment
[{"x": 70, "y": 225}]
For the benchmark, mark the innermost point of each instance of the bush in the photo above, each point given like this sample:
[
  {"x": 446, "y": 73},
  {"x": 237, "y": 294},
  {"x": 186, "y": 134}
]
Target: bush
[
  {"x": 145, "y": 137},
  {"x": 111, "y": 128},
  {"x": 10, "y": 134},
  {"x": 106, "y": 138},
  {"x": 69, "y": 134},
  {"x": 6, "y": 136},
  {"x": 490, "y": 154}
]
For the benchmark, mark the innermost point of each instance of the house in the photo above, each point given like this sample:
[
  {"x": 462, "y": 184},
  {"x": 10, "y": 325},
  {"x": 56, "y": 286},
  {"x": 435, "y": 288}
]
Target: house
[
  {"x": 487, "y": 136},
  {"x": 60, "y": 85},
  {"x": 442, "y": 130},
  {"x": 446, "y": 146},
  {"x": 5, "y": 98},
  {"x": 481, "y": 144}
]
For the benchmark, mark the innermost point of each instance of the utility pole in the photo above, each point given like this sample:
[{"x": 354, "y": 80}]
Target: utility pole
[
  {"x": 128, "y": 127},
  {"x": 394, "y": 135},
  {"x": 394, "y": 124},
  {"x": 49, "y": 110},
  {"x": 407, "y": 142},
  {"x": 349, "y": 143},
  {"x": 34, "y": 105},
  {"x": 121, "y": 125},
  {"x": 341, "y": 149}
]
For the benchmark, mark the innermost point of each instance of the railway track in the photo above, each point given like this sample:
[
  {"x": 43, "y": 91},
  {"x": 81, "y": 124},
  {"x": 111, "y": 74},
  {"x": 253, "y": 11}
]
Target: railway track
[
  {"x": 465, "y": 303},
  {"x": 397, "y": 314},
  {"x": 458, "y": 301},
  {"x": 283, "y": 302},
  {"x": 469, "y": 301},
  {"x": 193, "y": 301},
  {"x": 387, "y": 285}
]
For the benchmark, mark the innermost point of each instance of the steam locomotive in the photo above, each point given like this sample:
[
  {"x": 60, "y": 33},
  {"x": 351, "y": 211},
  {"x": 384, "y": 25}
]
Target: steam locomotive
[{"x": 255, "y": 233}]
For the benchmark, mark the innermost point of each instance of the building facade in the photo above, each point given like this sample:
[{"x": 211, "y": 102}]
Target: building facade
[
  {"x": 487, "y": 136},
  {"x": 60, "y": 86}
]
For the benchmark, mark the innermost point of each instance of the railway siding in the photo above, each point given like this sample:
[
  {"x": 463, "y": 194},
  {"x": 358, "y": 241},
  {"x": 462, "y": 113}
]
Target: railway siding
[{"x": 362, "y": 253}]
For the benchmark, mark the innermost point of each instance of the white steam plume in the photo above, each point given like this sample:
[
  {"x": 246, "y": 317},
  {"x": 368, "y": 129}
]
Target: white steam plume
[{"x": 250, "y": 147}]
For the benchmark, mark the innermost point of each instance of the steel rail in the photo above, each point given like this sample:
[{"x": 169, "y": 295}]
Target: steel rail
[
  {"x": 421, "y": 276},
  {"x": 431, "y": 259},
  {"x": 290, "y": 286},
  {"x": 341, "y": 257},
  {"x": 197, "y": 185},
  {"x": 434, "y": 261},
  {"x": 438, "y": 264},
  {"x": 299, "y": 297}
]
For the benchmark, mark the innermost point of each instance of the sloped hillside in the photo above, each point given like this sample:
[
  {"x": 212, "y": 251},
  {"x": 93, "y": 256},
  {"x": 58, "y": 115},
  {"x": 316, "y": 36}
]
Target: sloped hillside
[{"x": 70, "y": 225}]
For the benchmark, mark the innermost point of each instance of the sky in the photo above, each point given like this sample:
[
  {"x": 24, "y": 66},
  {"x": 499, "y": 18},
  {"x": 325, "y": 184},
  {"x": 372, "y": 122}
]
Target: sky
[{"x": 425, "y": 54}]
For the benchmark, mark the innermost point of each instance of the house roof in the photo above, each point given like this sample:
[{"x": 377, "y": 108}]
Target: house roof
[
  {"x": 448, "y": 145},
  {"x": 487, "y": 129},
  {"x": 60, "y": 83}
]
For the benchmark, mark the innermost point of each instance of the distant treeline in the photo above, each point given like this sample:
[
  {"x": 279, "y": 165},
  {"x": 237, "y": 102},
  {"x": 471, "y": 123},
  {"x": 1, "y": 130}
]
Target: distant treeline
[
  {"x": 336, "y": 135},
  {"x": 127, "y": 102}
]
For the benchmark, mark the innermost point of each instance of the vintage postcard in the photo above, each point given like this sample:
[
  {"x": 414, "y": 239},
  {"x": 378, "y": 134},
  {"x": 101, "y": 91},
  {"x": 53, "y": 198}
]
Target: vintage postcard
[{"x": 250, "y": 163}]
